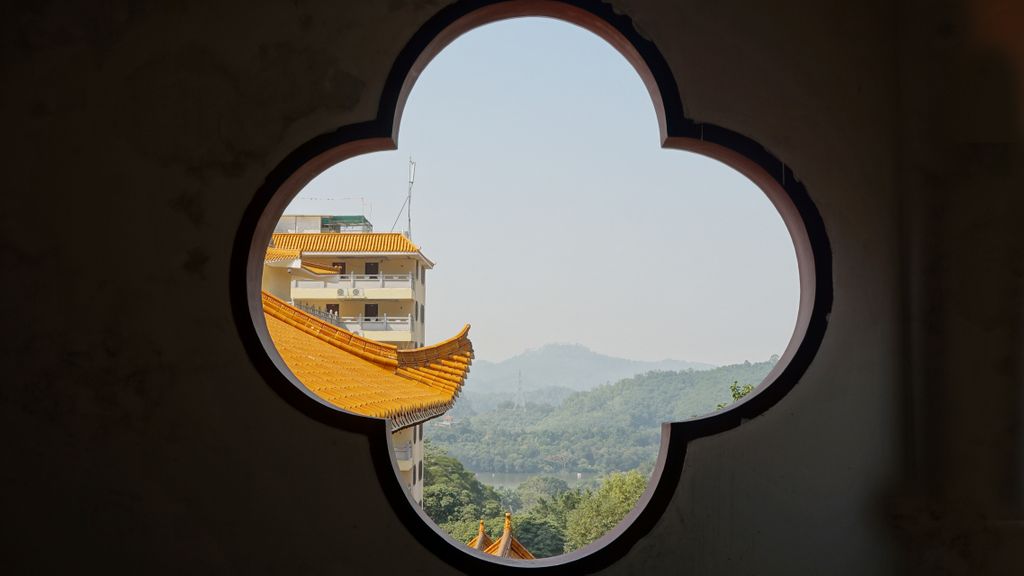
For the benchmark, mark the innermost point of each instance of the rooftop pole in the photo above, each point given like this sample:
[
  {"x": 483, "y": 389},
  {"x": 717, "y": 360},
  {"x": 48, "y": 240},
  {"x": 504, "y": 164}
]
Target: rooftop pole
[{"x": 412, "y": 178}]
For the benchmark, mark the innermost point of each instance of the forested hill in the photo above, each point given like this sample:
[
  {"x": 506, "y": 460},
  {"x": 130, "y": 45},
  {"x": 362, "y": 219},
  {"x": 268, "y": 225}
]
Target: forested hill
[
  {"x": 610, "y": 428},
  {"x": 563, "y": 366}
]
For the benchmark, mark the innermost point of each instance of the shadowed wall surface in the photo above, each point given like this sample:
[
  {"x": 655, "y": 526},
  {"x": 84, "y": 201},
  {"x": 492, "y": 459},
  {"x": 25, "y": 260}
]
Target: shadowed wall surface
[{"x": 138, "y": 437}]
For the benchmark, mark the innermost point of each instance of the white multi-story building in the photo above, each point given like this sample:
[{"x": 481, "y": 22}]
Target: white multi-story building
[{"x": 372, "y": 284}]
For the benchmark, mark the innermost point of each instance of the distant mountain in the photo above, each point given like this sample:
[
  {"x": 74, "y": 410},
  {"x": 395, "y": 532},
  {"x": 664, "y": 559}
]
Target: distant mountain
[
  {"x": 569, "y": 366},
  {"x": 612, "y": 427}
]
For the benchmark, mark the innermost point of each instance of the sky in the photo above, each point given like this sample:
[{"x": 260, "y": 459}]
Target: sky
[{"x": 554, "y": 216}]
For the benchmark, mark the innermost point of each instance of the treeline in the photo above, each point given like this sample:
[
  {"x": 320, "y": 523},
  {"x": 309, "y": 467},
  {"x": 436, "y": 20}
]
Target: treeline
[
  {"x": 549, "y": 518},
  {"x": 610, "y": 428}
]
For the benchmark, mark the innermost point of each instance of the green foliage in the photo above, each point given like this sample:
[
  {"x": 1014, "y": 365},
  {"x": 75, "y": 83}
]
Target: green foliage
[
  {"x": 557, "y": 509},
  {"x": 451, "y": 493},
  {"x": 538, "y": 488},
  {"x": 737, "y": 392},
  {"x": 599, "y": 511},
  {"x": 540, "y": 535},
  {"x": 510, "y": 499},
  {"x": 606, "y": 430},
  {"x": 556, "y": 519},
  {"x": 610, "y": 428},
  {"x": 460, "y": 530}
]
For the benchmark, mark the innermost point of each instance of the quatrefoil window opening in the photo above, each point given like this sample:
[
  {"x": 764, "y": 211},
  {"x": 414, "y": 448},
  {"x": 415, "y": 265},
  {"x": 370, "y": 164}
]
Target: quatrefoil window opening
[{"x": 501, "y": 230}]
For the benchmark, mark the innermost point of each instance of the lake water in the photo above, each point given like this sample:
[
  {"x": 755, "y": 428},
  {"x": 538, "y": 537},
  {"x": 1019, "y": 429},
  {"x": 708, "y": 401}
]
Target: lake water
[{"x": 513, "y": 479}]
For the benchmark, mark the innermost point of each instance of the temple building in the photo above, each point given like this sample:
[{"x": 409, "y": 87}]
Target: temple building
[
  {"x": 370, "y": 283},
  {"x": 345, "y": 310},
  {"x": 506, "y": 546}
]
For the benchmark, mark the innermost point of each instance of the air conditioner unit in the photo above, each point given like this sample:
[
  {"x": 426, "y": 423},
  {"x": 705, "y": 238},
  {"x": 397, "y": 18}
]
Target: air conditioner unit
[
  {"x": 341, "y": 291},
  {"x": 356, "y": 291}
]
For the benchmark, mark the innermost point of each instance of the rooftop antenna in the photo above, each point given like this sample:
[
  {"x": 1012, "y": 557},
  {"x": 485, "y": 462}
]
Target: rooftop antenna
[
  {"x": 408, "y": 211},
  {"x": 407, "y": 205}
]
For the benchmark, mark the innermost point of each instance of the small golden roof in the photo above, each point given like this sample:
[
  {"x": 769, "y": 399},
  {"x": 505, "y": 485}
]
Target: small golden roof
[
  {"x": 506, "y": 547},
  {"x": 481, "y": 541}
]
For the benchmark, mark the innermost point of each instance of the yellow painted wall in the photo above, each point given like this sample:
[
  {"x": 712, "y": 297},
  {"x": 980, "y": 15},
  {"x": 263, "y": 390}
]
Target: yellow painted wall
[
  {"x": 414, "y": 436},
  {"x": 277, "y": 281},
  {"x": 390, "y": 265},
  {"x": 390, "y": 336}
]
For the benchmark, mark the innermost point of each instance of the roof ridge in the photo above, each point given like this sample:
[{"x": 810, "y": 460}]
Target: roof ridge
[
  {"x": 333, "y": 242},
  {"x": 376, "y": 352},
  {"x": 438, "y": 388},
  {"x": 458, "y": 344},
  {"x": 508, "y": 543}
]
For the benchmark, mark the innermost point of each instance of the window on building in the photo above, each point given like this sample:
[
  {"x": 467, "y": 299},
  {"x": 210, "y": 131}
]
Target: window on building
[
  {"x": 371, "y": 268},
  {"x": 371, "y": 310},
  {"x": 340, "y": 266},
  {"x": 333, "y": 308}
]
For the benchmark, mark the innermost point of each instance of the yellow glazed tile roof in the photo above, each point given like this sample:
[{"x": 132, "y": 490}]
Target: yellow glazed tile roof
[
  {"x": 319, "y": 268},
  {"x": 481, "y": 541},
  {"x": 279, "y": 254},
  {"x": 361, "y": 242},
  {"x": 368, "y": 377},
  {"x": 508, "y": 546}
]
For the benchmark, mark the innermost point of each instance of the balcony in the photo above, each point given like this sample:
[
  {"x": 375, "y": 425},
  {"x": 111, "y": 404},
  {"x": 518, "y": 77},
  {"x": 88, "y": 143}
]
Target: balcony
[
  {"x": 355, "y": 286},
  {"x": 403, "y": 451},
  {"x": 383, "y": 328}
]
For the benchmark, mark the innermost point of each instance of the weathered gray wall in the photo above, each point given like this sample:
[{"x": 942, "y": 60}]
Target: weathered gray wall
[{"x": 137, "y": 437}]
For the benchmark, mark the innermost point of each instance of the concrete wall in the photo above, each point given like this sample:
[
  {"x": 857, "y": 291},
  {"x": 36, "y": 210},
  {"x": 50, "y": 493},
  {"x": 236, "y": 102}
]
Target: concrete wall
[
  {"x": 302, "y": 224},
  {"x": 357, "y": 265},
  {"x": 278, "y": 282},
  {"x": 410, "y": 479},
  {"x": 356, "y": 307},
  {"x": 148, "y": 444},
  {"x": 331, "y": 293}
]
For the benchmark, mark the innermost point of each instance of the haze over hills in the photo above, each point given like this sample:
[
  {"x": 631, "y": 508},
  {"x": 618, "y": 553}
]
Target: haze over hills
[
  {"x": 613, "y": 427},
  {"x": 569, "y": 366}
]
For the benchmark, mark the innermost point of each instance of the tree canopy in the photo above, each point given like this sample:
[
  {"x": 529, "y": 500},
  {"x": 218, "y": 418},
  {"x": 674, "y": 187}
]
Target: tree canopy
[
  {"x": 611, "y": 428},
  {"x": 599, "y": 511}
]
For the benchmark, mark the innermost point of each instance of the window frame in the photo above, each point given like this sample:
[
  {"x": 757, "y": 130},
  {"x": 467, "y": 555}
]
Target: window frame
[{"x": 677, "y": 131}]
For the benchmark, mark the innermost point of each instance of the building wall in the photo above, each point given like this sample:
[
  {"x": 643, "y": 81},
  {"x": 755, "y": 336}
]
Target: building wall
[
  {"x": 277, "y": 281},
  {"x": 391, "y": 301},
  {"x": 356, "y": 307},
  {"x": 412, "y": 479},
  {"x": 147, "y": 443},
  {"x": 390, "y": 265},
  {"x": 302, "y": 224}
]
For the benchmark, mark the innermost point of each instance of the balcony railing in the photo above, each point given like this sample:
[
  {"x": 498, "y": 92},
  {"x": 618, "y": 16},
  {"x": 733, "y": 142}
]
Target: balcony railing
[
  {"x": 403, "y": 452},
  {"x": 359, "y": 281},
  {"x": 360, "y": 323}
]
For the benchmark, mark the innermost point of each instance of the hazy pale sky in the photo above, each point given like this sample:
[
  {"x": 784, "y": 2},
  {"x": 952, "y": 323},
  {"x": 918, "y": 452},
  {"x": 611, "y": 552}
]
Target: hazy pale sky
[{"x": 554, "y": 216}]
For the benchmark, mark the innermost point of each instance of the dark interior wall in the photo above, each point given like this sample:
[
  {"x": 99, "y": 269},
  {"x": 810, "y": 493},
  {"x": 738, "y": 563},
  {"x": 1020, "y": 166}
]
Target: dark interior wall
[
  {"x": 138, "y": 437},
  {"x": 961, "y": 177}
]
